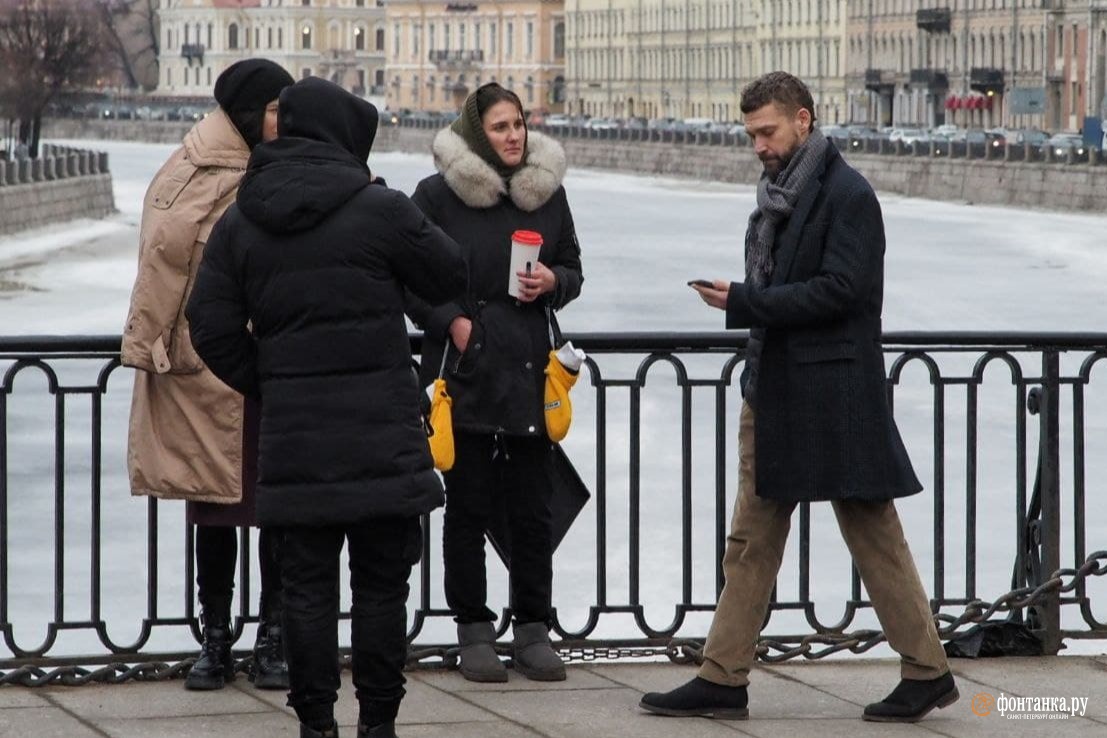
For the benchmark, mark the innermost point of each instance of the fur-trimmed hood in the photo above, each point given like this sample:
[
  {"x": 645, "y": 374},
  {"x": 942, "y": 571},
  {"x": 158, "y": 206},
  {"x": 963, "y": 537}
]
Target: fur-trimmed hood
[{"x": 480, "y": 186}]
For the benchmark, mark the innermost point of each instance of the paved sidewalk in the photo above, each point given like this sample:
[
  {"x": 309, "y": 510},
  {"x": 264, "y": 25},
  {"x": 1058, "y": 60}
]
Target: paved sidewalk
[{"x": 598, "y": 701}]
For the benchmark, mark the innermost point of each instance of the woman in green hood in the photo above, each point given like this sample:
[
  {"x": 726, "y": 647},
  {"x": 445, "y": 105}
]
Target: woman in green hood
[{"x": 496, "y": 178}]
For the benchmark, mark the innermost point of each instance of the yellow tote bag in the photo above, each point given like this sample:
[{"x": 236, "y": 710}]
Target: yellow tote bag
[{"x": 441, "y": 420}]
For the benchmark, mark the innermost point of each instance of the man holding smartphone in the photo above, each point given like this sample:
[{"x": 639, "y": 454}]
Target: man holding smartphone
[{"x": 815, "y": 422}]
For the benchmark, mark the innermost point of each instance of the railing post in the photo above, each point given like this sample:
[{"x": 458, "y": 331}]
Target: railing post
[{"x": 1049, "y": 612}]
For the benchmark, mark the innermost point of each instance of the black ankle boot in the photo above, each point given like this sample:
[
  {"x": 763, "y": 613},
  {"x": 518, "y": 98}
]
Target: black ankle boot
[
  {"x": 700, "y": 698},
  {"x": 269, "y": 669},
  {"x": 215, "y": 666},
  {"x": 384, "y": 730},
  {"x": 309, "y": 732},
  {"x": 912, "y": 699}
]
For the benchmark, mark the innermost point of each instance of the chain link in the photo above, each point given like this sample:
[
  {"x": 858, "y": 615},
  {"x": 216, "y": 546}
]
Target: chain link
[{"x": 678, "y": 650}]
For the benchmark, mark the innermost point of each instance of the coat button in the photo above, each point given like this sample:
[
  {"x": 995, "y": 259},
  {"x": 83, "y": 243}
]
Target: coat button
[
  {"x": 531, "y": 429},
  {"x": 476, "y": 346},
  {"x": 530, "y": 365}
]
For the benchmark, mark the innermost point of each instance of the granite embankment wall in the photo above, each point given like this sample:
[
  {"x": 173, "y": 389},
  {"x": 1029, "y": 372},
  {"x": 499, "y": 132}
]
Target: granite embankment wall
[
  {"x": 60, "y": 185},
  {"x": 1052, "y": 186}
]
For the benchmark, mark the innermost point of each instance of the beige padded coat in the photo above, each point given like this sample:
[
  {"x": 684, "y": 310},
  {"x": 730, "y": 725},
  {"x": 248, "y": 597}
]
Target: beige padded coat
[{"x": 185, "y": 439}]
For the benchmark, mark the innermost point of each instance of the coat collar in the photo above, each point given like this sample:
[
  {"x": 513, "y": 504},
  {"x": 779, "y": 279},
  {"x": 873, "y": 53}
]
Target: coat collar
[
  {"x": 215, "y": 142},
  {"x": 789, "y": 240},
  {"x": 480, "y": 186}
]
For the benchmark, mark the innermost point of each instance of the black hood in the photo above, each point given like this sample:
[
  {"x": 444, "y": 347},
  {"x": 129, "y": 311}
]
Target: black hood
[{"x": 316, "y": 164}]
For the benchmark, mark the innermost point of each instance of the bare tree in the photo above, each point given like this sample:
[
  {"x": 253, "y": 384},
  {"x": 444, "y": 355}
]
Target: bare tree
[
  {"x": 131, "y": 27},
  {"x": 46, "y": 46}
]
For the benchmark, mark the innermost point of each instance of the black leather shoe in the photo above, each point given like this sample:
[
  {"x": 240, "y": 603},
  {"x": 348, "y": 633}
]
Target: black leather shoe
[
  {"x": 384, "y": 730},
  {"x": 912, "y": 699},
  {"x": 699, "y": 698}
]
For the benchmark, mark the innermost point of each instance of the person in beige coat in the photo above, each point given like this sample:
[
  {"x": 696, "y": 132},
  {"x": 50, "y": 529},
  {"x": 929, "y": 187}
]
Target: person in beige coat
[{"x": 191, "y": 436}]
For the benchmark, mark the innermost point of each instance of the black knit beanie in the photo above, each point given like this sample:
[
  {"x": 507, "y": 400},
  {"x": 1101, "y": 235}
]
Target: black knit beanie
[
  {"x": 245, "y": 88},
  {"x": 468, "y": 126}
]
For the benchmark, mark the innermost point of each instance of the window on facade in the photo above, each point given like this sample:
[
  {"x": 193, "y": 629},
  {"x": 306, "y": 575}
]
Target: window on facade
[
  {"x": 168, "y": 77},
  {"x": 361, "y": 4},
  {"x": 416, "y": 32},
  {"x": 461, "y": 36},
  {"x": 269, "y": 40},
  {"x": 378, "y": 78},
  {"x": 232, "y": 36},
  {"x": 305, "y": 37},
  {"x": 305, "y": 72},
  {"x": 1072, "y": 99},
  {"x": 509, "y": 40},
  {"x": 530, "y": 39},
  {"x": 1060, "y": 50},
  {"x": 168, "y": 39},
  {"x": 257, "y": 38},
  {"x": 359, "y": 39},
  {"x": 430, "y": 37},
  {"x": 305, "y": 3},
  {"x": 559, "y": 40},
  {"x": 209, "y": 76},
  {"x": 380, "y": 40},
  {"x": 361, "y": 80},
  {"x": 492, "y": 39},
  {"x": 395, "y": 38},
  {"x": 530, "y": 89}
]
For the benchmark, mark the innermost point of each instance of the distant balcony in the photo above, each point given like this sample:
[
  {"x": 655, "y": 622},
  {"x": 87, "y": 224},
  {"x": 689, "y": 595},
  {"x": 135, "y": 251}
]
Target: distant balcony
[
  {"x": 986, "y": 79},
  {"x": 457, "y": 59},
  {"x": 933, "y": 20},
  {"x": 880, "y": 80},
  {"x": 932, "y": 80},
  {"x": 193, "y": 51}
]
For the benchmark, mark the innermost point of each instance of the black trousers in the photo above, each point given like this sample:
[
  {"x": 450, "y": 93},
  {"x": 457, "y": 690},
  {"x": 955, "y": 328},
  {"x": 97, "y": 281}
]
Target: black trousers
[
  {"x": 216, "y": 556},
  {"x": 489, "y": 470},
  {"x": 382, "y": 553}
]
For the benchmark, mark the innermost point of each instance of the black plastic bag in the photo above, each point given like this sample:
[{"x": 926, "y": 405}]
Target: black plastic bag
[
  {"x": 995, "y": 638},
  {"x": 569, "y": 497}
]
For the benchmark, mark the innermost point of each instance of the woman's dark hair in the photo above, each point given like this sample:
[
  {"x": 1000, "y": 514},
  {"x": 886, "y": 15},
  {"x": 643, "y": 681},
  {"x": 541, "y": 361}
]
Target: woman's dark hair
[
  {"x": 784, "y": 89},
  {"x": 492, "y": 93}
]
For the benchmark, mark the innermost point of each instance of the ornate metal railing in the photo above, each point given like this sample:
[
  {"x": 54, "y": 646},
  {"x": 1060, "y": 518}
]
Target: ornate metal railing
[{"x": 674, "y": 451}]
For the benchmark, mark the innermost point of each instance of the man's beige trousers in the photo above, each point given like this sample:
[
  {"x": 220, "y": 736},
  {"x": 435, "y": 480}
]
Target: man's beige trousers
[{"x": 755, "y": 546}]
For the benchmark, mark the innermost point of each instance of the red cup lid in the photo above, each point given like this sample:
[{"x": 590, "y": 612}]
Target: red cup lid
[{"x": 527, "y": 238}]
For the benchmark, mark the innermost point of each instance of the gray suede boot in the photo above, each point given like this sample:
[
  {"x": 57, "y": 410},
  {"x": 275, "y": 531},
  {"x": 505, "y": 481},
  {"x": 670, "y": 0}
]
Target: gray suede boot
[
  {"x": 534, "y": 656},
  {"x": 479, "y": 662}
]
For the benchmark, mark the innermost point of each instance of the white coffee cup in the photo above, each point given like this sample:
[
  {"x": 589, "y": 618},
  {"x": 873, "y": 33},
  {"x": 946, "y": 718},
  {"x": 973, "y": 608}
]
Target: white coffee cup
[{"x": 525, "y": 246}]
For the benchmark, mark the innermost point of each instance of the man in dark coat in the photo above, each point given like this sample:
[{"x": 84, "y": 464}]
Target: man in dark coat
[
  {"x": 816, "y": 384},
  {"x": 316, "y": 259}
]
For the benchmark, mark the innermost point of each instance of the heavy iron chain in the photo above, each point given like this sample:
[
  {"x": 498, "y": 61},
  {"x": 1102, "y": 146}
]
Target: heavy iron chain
[{"x": 679, "y": 650}]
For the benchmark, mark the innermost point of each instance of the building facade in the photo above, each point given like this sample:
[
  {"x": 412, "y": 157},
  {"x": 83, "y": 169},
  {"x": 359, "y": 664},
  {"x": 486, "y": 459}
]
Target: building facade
[
  {"x": 691, "y": 59},
  {"x": 339, "y": 40},
  {"x": 977, "y": 63},
  {"x": 439, "y": 52}
]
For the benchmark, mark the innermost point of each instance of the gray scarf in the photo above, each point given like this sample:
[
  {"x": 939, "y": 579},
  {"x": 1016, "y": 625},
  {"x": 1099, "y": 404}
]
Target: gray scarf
[{"x": 776, "y": 197}]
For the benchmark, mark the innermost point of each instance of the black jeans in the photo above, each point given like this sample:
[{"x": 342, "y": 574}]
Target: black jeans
[
  {"x": 216, "y": 555},
  {"x": 489, "y": 470},
  {"x": 382, "y": 552}
]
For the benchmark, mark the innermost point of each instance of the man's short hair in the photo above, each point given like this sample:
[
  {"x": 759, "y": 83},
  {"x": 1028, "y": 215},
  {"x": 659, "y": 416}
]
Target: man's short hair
[{"x": 784, "y": 89}]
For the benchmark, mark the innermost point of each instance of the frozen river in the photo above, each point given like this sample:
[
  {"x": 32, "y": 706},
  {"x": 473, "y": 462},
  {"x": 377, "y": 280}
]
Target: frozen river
[{"x": 949, "y": 267}]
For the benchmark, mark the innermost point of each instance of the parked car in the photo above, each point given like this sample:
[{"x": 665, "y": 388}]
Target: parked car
[
  {"x": 834, "y": 131},
  {"x": 602, "y": 124},
  {"x": 557, "y": 120},
  {"x": 947, "y": 129},
  {"x": 908, "y": 136},
  {"x": 1060, "y": 144},
  {"x": 1028, "y": 137},
  {"x": 738, "y": 130}
]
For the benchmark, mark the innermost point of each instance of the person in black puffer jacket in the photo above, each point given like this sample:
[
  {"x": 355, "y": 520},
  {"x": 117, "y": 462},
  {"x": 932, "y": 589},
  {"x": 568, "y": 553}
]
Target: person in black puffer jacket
[
  {"x": 495, "y": 178},
  {"x": 316, "y": 259}
]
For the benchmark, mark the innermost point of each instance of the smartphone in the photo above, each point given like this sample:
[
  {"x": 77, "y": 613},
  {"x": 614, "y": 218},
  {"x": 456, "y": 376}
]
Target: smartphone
[
  {"x": 701, "y": 283},
  {"x": 528, "y": 268}
]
